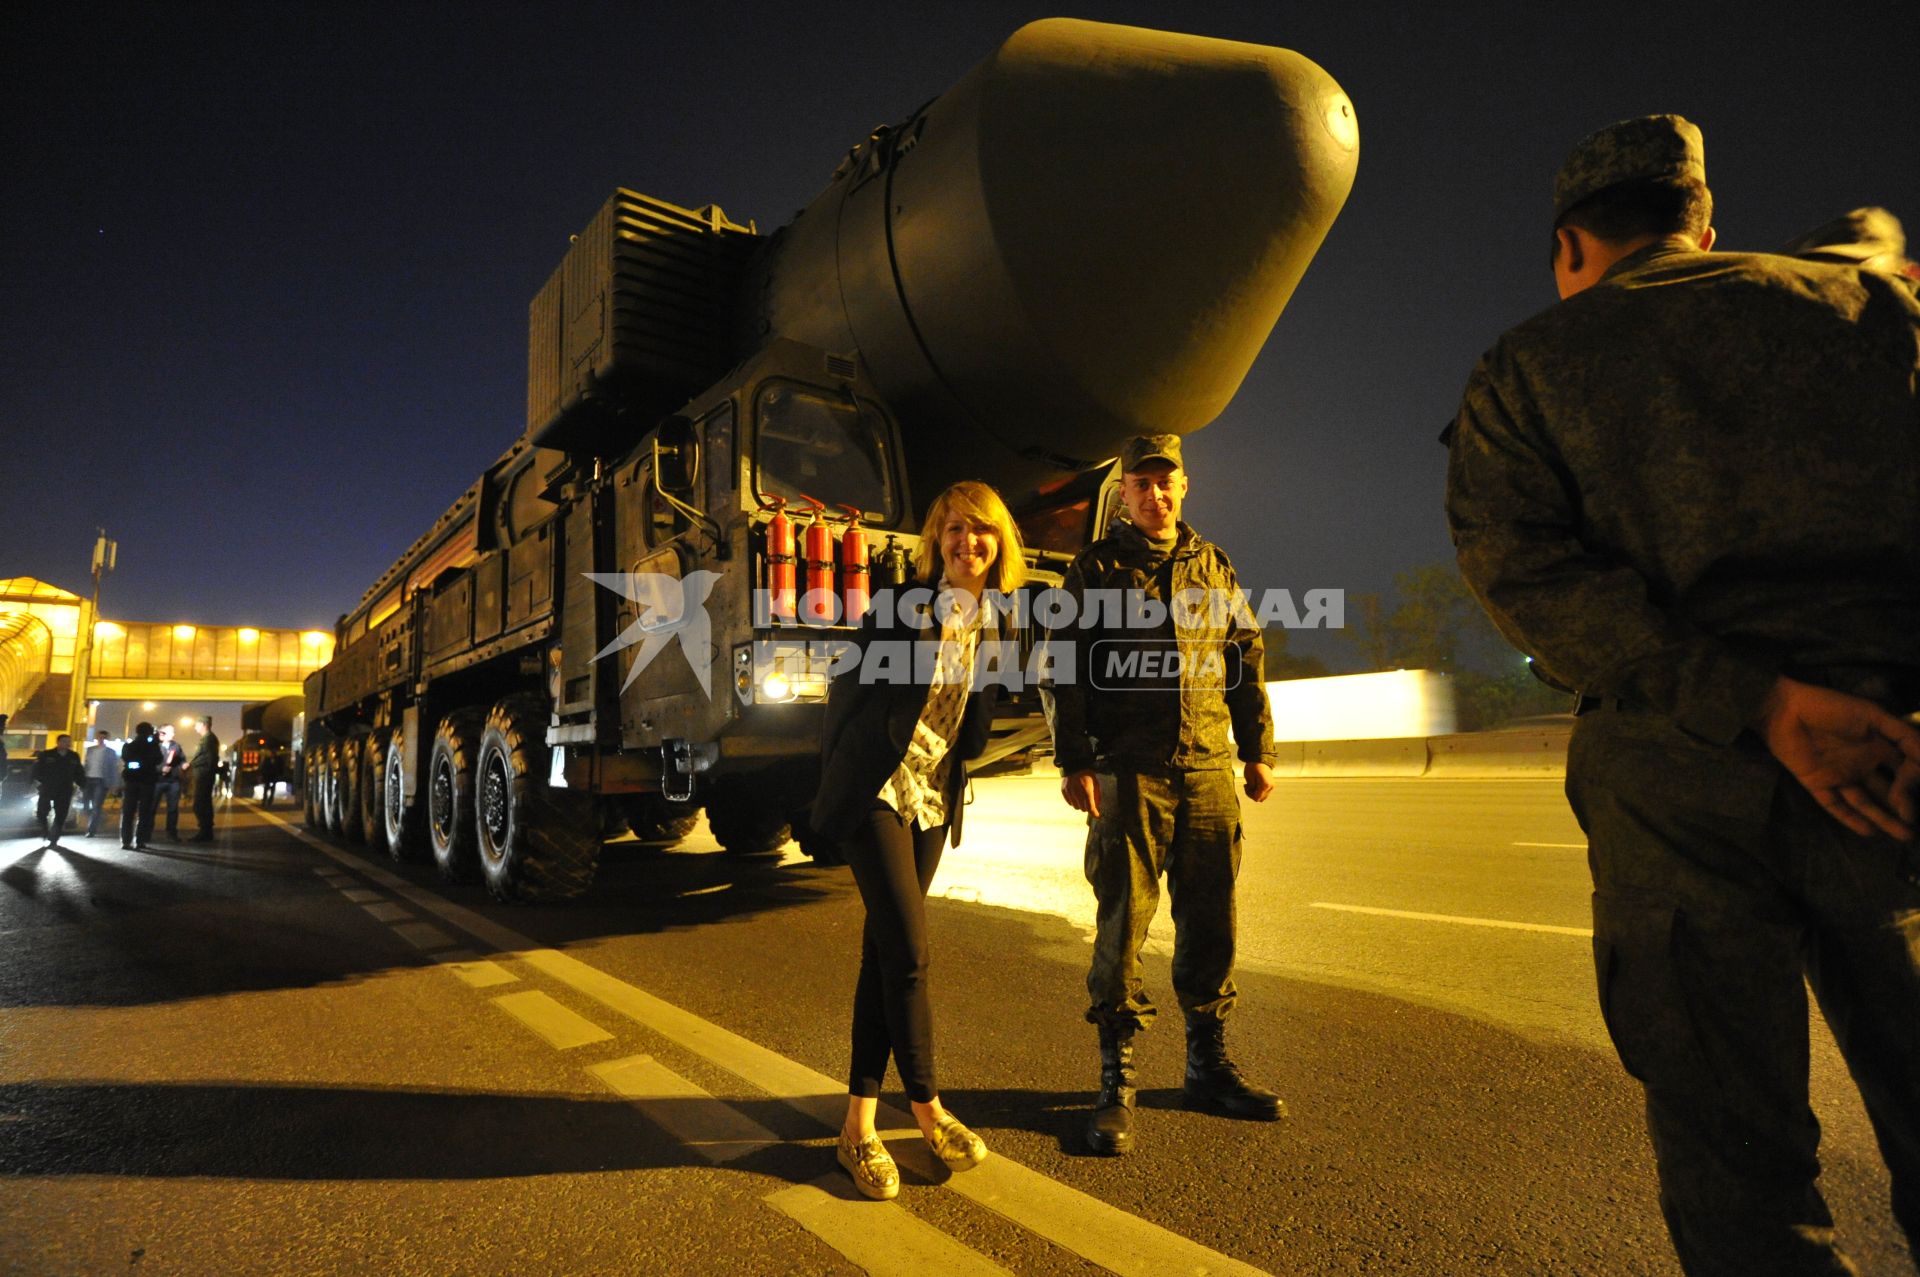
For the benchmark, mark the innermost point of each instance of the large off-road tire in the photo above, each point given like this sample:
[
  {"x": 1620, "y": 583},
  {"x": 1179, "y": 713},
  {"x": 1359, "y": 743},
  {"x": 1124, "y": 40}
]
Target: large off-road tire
[
  {"x": 654, "y": 819},
  {"x": 449, "y": 796},
  {"x": 536, "y": 842},
  {"x": 352, "y": 827},
  {"x": 373, "y": 775},
  {"x": 330, "y": 786},
  {"x": 745, "y": 827},
  {"x": 405, "y": 825},
  {"x": 309, "y": 789}
]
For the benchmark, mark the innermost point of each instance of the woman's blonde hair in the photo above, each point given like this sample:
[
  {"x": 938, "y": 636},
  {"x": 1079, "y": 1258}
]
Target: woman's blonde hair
[{"x": 976, "y": 501}]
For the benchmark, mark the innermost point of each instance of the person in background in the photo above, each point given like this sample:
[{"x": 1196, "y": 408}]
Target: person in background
[
  {"x": 139, "y": 774},
  {"x": 102, "y": 767},
  {"x": 206, "y": 771},
  {"x": 173, "y": 774},
  {"x": 269, "y": 776},
  {"x": 56, "y": 773}
]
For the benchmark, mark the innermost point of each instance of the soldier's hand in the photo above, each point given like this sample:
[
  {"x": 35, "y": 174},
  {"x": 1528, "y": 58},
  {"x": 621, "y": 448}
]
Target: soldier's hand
[
  {"x": 1082, "y": 792},
  {"x": 1859, "y": 762},
  {"x": 1259, "y": 781}
]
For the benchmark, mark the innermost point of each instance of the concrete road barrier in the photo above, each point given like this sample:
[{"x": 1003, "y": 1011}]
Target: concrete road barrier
[{"x": 1538, "y": 755}]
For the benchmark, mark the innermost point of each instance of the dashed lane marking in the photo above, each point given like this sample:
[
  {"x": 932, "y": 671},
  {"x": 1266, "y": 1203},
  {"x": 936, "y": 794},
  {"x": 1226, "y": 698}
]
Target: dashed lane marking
[
  {"x": 1502, "y": 923},
  {"x": 1104, "y": 1235},
  {"x": 473, "y": 969},
  {"x": 709, "y": 1126},
  {"x": 560, "y": 1026},
  {"x": 386, "y": 911},
  {"x": 881, "y": 1238},
  {"x": 360, "y": 895},
  {"x": 423, "y": 935}
]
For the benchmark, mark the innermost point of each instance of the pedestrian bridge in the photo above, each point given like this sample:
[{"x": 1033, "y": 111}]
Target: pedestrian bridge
[{"x": 57, "y": 658}]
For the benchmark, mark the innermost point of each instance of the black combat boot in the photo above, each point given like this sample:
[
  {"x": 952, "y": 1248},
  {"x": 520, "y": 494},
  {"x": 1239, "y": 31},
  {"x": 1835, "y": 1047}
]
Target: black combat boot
[
  {"x": 1110, "y": 1129},
  {"x": 1214, "y": 1083}
]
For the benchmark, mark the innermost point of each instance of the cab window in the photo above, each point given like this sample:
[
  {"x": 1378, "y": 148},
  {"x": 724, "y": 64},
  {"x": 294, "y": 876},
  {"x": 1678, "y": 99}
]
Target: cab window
[{"x": 814, "y": 444}]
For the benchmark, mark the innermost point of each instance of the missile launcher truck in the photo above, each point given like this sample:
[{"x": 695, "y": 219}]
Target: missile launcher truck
[{"x": 1090, "y": 236}]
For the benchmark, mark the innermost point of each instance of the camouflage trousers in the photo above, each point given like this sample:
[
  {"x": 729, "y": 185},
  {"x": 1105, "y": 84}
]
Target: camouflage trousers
[
  {"x": 1721, "y": 890},
  {"x": 1187, "y": 826}
]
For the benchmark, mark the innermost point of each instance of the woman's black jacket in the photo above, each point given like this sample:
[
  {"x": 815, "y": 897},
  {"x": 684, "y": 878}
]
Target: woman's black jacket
[{"x": 869, "y": 725}]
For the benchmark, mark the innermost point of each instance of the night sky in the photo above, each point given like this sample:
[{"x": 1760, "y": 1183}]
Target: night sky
[{"x": 265, "y": 267}]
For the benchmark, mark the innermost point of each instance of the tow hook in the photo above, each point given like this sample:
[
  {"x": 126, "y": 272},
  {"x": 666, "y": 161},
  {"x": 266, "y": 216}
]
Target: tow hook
[{"x": 680, "y": 761}]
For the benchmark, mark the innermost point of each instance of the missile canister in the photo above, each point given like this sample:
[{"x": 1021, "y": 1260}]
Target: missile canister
[{"x": 1090, "y": 236}]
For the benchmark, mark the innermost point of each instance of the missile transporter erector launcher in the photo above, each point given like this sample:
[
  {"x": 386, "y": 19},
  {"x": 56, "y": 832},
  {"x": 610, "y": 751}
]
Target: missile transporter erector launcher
[{"x": 732, "y": 438}]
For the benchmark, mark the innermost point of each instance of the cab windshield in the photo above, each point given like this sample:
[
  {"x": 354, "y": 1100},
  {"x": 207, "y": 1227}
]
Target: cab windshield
[{"x": 815, "y": 444}]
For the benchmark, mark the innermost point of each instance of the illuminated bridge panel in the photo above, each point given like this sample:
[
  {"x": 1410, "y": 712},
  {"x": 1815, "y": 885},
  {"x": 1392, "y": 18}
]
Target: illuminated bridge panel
[{"x": 206, "y": 653}]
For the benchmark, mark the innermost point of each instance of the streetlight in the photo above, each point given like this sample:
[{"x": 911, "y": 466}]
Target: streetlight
[{"x": 126, "y": 724}]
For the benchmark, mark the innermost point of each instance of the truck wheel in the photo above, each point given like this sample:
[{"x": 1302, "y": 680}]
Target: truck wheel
[
  {"x": 404, "y": 824},
  {"x": 654, "y": 819},
  {"x": 450, "y": 810},
  {"x": 330, "y": 785},
  {"x": 373, "y": 788},
  {"x": 352, "y": 828},
  {"x": 310, "y": 789},
  {"x": 536, "y": 842},
  {"x": 747, "y": 830}
]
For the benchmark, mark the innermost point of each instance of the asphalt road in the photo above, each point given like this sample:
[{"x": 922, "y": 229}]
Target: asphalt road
[{"x": 273, "y": 1054}]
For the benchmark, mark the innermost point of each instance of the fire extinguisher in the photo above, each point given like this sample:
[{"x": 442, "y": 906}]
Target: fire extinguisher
[
  {"x": 817, "y": 604},
  {"x": 780, "y": 562},
  {"x": 853, "y": 569},
  {"x": 891, "y": 572}
]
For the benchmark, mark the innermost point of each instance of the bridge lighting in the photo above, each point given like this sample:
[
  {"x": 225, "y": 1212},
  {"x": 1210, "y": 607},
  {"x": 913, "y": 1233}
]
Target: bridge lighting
[
  {"x": 149, "y": 706},
  {"x": 313, "y": 638},
  {"x": 249, "y": 635},
  {"x": 187, "y": 720},
  {"x": 107, "y": 630},
  {"x": 183, "y": 631}
]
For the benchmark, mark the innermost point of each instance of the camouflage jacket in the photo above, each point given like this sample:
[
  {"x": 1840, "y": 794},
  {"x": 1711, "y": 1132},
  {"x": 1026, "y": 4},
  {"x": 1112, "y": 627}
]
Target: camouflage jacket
[
  {"x": 1700, "y": 473},
  {"x": 1123, "y": 710}
]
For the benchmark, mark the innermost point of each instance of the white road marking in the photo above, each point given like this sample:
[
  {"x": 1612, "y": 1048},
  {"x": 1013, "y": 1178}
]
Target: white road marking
[
  {"x": 423, "y": 935},
  {"x": 709, "y": 1126},
  {"x": 387, "y": 911},
  {"x": 562, "y": 1027},
  {"x": 880, "y": 1237},
  {"x": 360, "y": 895},
  {"x": 1105, "y": 1235},
  {"x": 1570, "y": 846},
  {"x": 474, "y": 969},
  {"x": 1455, "y": 918}
]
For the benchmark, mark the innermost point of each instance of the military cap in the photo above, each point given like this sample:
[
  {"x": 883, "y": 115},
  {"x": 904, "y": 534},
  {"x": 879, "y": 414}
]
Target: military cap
[
  {"x": 1859, "y": 236},
  {"x": 1144, "y": 448},
  {"x": 1650, "y": 148}
]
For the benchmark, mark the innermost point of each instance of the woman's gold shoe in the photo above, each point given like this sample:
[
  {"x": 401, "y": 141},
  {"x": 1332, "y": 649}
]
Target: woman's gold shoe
[
  {"x": 955, "y": 1145},
  {"x": 871, "y": 1166}
]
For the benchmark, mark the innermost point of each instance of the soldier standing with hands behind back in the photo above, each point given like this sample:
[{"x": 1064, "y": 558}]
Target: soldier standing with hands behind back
[
  {"x": 1148, "y": 760},
  {"x": 206, "y": 767},
  {"x": 1692, "y": 491}
]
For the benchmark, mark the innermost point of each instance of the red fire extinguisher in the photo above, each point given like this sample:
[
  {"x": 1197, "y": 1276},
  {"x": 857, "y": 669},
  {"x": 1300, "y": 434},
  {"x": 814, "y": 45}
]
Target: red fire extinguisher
[
  {"x": 780, "y": 562},
  {"x": 853, "y": 568},
  {"x": 817, "y": 604}
]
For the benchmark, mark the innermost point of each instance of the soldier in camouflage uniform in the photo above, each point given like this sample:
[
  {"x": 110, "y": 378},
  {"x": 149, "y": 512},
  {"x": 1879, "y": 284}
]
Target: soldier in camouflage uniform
[
  {"x": 1143, "y": 750},
  {"x": 1692, "y": 491}
]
